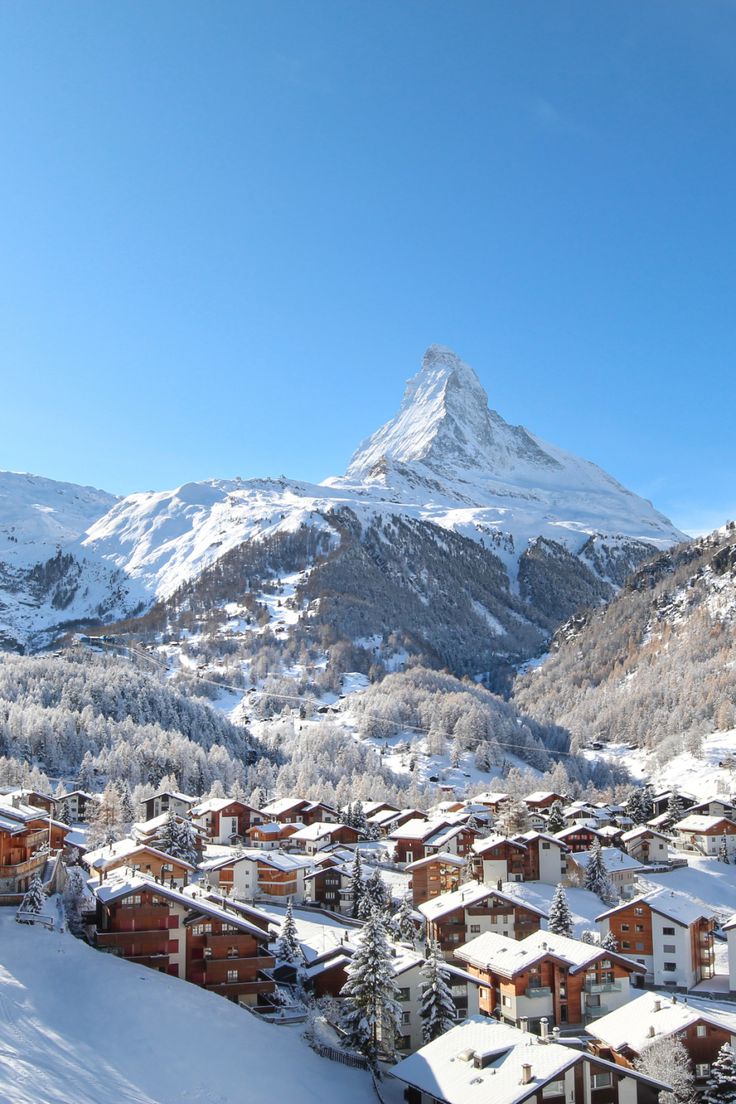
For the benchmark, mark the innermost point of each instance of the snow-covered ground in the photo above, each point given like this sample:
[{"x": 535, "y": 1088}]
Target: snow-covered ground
[
  {"x": 81, "y": 1027},
  {"x": 706, "y": 881}
]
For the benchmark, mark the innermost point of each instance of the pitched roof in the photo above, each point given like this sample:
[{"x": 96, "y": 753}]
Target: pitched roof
[
  {"x": 702, "y": 825},
  {"x": 666, "y": 902},
  {"x": 467, "y": 895},
  {"x": 652, "y": 1015}
]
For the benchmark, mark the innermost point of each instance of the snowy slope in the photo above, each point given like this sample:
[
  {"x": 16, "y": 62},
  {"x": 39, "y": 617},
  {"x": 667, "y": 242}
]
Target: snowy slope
[{"x": 81, "y": 1027}]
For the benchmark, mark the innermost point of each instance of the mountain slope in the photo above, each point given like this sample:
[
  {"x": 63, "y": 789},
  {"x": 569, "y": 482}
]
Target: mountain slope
[
  {"x": 563, "y": 531},
  {"x": 655, "y": 668}
]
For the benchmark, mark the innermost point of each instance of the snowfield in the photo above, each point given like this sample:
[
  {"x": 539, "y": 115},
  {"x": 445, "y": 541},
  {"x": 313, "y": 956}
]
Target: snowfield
[{"x": 81, "y": 1027}]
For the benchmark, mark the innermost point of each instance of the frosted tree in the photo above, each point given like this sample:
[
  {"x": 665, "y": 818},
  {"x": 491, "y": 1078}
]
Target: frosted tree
[
  {"x": 168, "y": 841},
  {"x": 376, "y": 897},
  {"x": 74, "y": 892},
  {"x": 178, "y": 839},
  {"x": 634, "y": 807},
  {"x": 127, "y": 810},
  {"x": 560, "y": 916},
  {"x": 555, "y": 821},
  {"x": 404, "y": 924},
  {"x": 723, "y": 850},
  {"x": 106, "y": 822},
  {"x": 34, "y": 898},
  {"x": 86, "y": 776},
  {"x": 358, "y": 820},
  {"x": 596, "y": 875},
  {"x": 358, "y": 886},
  {"x": 675, "y": 810},
  {"x": 513, "y": 818},
  {"x": 609, "y": 942},
  {"x": 373, "y": 1013},
  {"x": 437, "y": 1008},
  {"x": 666, "y": 1059},
  {"x": 287, "y": 947},
  {"x": 721, "y": 1087}
]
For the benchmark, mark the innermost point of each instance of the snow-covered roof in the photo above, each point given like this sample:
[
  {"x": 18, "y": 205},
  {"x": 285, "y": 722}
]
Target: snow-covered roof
[
  {"x": 283, "y": 805},
  {"x": 102, "y": 857},
  {"x": 730, "y": 924},
  {"x": 630, "y": 1026},
  {"x": 509, "y": 957},
  {"x": 679, "y": 907},
  {"x": 273, "y": 828},
  {"x": 439, "y": 856},
  {"x": 186, "y": 798},
  {"x": 467, "y": 895},
  {"x": 491, "y": 797},
  {"x": 480, "y": 846},
  {"x": 417, "y": 829},
  {"x": 573, "y": 828},
  {"x": 642, "y": 830},
  {"x": 316, "y": 831},
  {"x": 446, "y": 1070},
  {"x": 439, "y": 839},
  {"x": 530, "y": 837},
  {"x": 541, "y": 795},
  {"x": 702, "y": 825},
  {"x": 613, "y": 859},
  {"x": 216, "y": 805}
]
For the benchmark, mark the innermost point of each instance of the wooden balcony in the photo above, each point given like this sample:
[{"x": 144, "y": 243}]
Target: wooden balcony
[
  {"x": 143, "y": 942},
  {"x": 27, "y": 866},
  {"x": 236, "y": 988}
]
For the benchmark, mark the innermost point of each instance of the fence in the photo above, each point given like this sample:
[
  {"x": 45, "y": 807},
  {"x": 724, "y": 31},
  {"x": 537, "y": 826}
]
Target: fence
[{"x": 353, "y": 1060}]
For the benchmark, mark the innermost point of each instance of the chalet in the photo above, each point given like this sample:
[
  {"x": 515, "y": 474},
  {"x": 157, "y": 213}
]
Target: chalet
[
  {"x": 436, "y": 874},
  {"x": 223, "y": 819},
  {"x": 646, "y": 844},
  {"x": 271, "y": 835},
  {"x": 315, "y": 837},
  {"x": 330, "y": 884},
  {"x": 138, "y": 858},
  {"x": 661, "y": 800},
  {"x": 482, "y": 1060},
  {"x": 705, "y": 834},
  {"x": 151, "y": 831},
  {"x": 410, "y": 837},
  {"x": 35, "y": 799},
  {"x": 545, "y": 858},
  {"x": 622, "y": 869},
  {"x": 730, "y": 929},
  {"x": 579, "y": 837},
  {"x": 625, "y": 1033},
  {"x": 543, "y": 799},
  {"x": 492, "y": 800},
  {"x": 28, "y": 840},
  {"x": 454, "y": 918},
  {"x": 79, "y": 804},
  {"x": 167, "y": 801},
  {"x": 666, "y": 932},
  {"x": 547, "y": 976},
  {"x": 258, "y": 875},
  {"x": 719, "y": 806},
  {"x": 196, "y": 939},
  {"x": 296, "y": 810},
  {"x": 327, "y": 973},
  {"x": 499, "y": 859}
]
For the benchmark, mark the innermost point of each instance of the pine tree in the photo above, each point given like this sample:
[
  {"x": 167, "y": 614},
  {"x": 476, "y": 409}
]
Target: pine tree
[
  {"x": 373, "y": 1013},
  {"x": 62, "y": 813},
  {"x": 287, "y": 945},
  {"x": 634, "y": 806},
  {"x": 358, "y": 886},
  {"x": 406, "y": 929},
  {"x": 73, "y": 898},
  {"x": 376, "y": 897},
  {"x": 127, "y": 811},
  {"x": 609, "y": 942},
  {"x": 647, "y": 803},
  {"x": 721, "y": 1087},
  {"x": 437, "y": 1008},
  {"x": 358, "y": 817},
  {"x": 596, "y": 875},
  {"x": 106, "y": 822},
  {"x": 560, "y": 917},
  {"x": 555, "y": 821},
  {"x": 675, "y": 810},
  {"x": 34, "y": 898},
  {"x": 723, "y": 850},
  {"x": 168, "y": 841}
]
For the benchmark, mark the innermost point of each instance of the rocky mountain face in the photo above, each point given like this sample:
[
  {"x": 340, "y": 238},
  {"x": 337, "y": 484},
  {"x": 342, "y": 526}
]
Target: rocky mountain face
[
  {"x": 472, "y": 537},
  {"x": 654, "y": 668}
]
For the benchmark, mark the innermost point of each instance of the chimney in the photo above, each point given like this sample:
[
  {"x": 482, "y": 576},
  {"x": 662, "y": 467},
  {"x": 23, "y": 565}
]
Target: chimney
[
  {"x": 524, "y": 1023},
  {"x": 657, "y": 1005},
  {"x": 556, "y": 1034},
  {"x": 526, "y": 1073},
  {"x": 544, "y": 1029},
  {"x": 651, "y": 1032}
]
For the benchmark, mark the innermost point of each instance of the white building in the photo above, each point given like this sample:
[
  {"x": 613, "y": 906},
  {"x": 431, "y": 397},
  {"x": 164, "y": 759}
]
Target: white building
[{"x": 730, "y": 930}]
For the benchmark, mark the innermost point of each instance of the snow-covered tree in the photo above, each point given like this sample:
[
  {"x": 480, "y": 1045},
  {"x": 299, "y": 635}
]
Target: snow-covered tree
[
  {"x": 596, "y": 875},
  {"x": 513, "y": 817},
  {"x": 560, "y": 917},
  {"x": 357, "y": 886},
  {"x": 437, "y": 1008},
  {"x": 404, "y": 923},
  {"x": 106, "y": 823},
  {"x": 721, "y": 1087},
  {"x": 609, "y": 942},
  {"x": 373, "y": 1013},
  {"x": 675, "y": 810},
  {"x": 287, "y": 947},
  {"x": 127, "y": 810},
  {"x": 588, "y": 936},
  {"x": 723, "y": 850},
  {"x": 666, "y": 1059},
  {"x": 178, "y": 839},
  {"x": 376, "y": 896},
  {"x": 555, "y": 821},
  {"x": 74, "y": 893},
  {"x": 34, "y": 898}
]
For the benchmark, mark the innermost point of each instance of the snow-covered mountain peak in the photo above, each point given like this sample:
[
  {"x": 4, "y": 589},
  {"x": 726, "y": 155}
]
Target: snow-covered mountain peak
[{"x": 444, "y": 422}]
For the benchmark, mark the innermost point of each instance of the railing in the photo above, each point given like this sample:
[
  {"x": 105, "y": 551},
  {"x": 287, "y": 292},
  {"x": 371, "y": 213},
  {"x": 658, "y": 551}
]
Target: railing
[
  {"x": 258, "y": 985},
  {"x": 34, "y": 918},
  {"x": 355, "y": 1061},
  {"x": 603, "y": 987},
  {"x": 538, "y": 991},
  {"x": 16, "y": 870}
]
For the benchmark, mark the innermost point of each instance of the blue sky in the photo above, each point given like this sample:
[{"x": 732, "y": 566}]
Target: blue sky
[{"x": 229, "y": 230}]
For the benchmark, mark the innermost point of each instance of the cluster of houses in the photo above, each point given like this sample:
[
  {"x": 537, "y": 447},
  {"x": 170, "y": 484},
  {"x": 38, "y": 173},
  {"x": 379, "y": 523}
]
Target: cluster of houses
[{"x": 521, "y": 993}]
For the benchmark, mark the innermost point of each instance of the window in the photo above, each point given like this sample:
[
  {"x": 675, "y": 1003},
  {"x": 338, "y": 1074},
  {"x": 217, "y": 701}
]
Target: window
[
  {"x": 474, "y": 929},
  {"x": 405, "y": 1018},
  {"x": 625, "y": 946},
  {"x": 232, "y": 975},
  {"x": 553, "y": 1088},
  {"x": 624, "y": 927},
  {"x": 545, "y": 846},
  {"x": 404, "y": 1042},
  {"x": 669, "y": 948},
  {"x": 638, "y": 911},
  {"x": 640, "y": 947},
  {"x": 404, "y": 995},
  {"x": 670, "y": 966},
  {"x": 232, "y": 952},
  {"x": 702, "y": 1069},
  {"x": 701, "y": 1031},
  {"x": 639, "y": 927},
  {"x": 606, "y": 964},
  {"x": 601, "y": 1081},
  {"x": 506, "y": 1002},
  {"x": 668, "y": 931}
]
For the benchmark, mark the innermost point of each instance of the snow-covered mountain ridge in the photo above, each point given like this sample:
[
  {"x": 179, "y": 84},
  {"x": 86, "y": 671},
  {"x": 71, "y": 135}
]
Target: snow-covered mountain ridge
[{"x": 445, "y": 459}]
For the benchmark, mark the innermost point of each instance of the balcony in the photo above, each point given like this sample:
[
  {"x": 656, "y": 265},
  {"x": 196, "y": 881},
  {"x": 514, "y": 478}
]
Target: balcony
[
  {"x": 143, "y": 941},
  {"x": 27, "y": 866},
  {"x": 538, "y": 991},
  {"x": 259, "y": 962},
  {"x": 235, "y": 988},
  {"x": 603, "y": 987}
]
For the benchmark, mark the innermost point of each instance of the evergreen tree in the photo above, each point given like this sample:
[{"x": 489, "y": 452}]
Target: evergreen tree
[
  {"x": 86, "y": 776},
  {"x": 358, "y": 886},
  {"x": 647, "y": 803},
  {"x": 723, "y": 850},
  {"x": 609, "y": 941},
  {"x": 596, "y": 875},
  {"x": 675, "y": 810},
  {"x": 287, "y": 945},
  {"x": 127, "y": 811},
  {"x": 376, "y": 897},
  {"x": 62, "y": 812},
  {"x": 555, "y": 821},
  {"x": 437, "y": 1007},
  {"x": 405, "y": 926},
  {"x": 634, "y": 806},
  {"x": 73, "y": 898},
  {"x": 560, "y": 917},
  {"x": 373, "y": 1013},
  {"x": 106, "y": 822},
  {"x": 666, "y": 1059},
  {"x": 34, "y": 898},
  {"x": 359, "y": 821},
  {"x": 721, "y": 1087}
]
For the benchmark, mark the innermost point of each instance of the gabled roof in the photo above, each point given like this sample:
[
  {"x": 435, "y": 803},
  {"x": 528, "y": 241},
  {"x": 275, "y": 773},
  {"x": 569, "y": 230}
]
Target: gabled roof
[
  {"x": 643, "y": 830},
  {"x": 468, "y": 895},
  {"x": 319, "y": 830},
  {"x": 502, "y": 955},
  {"x": 479, "y": 846},
  {"x": 419, "y": 830},
  {"x": 678, "y": 907},
  {"x": 439, "y": 857},
  {"x": 102, "y": 857},
  {"x": 652, "y": 1015},
  {"x": 614, "y": 860},
  {"x": 703, "y": 825}
]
